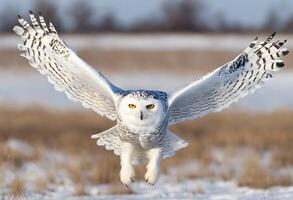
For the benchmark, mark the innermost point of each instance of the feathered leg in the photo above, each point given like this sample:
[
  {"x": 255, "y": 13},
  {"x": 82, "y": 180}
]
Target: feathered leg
[
  {"x": 127, "y": 172},
  {"x": 153, "y": 166}
]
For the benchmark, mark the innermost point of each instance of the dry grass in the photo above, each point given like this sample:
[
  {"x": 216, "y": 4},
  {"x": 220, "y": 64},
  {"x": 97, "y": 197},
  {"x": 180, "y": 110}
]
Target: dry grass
[
  {"x": 17, "y": 187},
  {"x": 182, "y": 61},
  {"x": 100, "y": 168},
  {"x": 69, "y": 132},
  {"x": 16, "y": 157},
  {"x": 130, "y": 60},
  {"x": 260, "y": 177},
  {"x": 79, "y": 190},
  {"x": 41, "y": 185},
  {"x": 260, "y": 131},
  {"x": 107, "y": 61}
]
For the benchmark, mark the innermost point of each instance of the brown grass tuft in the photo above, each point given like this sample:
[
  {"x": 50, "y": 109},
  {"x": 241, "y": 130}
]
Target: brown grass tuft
[
  {"x": 259, "y": 177},
  {"x": 106, "y": 170},
  {"x": 80, "y": 190},
  {"x": 41, "y": 185},
  {"x": 17, "y": 187}
]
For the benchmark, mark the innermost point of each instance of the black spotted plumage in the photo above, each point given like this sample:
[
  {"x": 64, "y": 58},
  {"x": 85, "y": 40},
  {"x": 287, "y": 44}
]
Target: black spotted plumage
[
  {"x": 239, "y": 77},
  {"x": 46, "y": 52}
]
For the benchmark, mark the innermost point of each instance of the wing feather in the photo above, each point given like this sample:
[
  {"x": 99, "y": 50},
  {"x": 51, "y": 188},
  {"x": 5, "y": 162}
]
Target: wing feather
[
  {"x": 227, "y": 84},
  {"x": 46, "y": 52}
]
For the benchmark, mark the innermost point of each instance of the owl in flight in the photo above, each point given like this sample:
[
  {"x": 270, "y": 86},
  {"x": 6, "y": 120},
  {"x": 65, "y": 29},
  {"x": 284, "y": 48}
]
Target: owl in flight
[{"x": 141, "y": 135}]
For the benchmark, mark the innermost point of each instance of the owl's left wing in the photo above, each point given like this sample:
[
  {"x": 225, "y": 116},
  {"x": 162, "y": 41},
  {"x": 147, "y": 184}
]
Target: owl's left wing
[
  {"x": 45, "y": 51},
  {"x": 228, "y": 83}
]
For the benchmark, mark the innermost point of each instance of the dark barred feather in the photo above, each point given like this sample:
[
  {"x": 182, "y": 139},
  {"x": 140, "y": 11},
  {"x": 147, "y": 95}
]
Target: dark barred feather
[
  {"x": 46, "y": 52},
  {"x": 219, "y": 89}
]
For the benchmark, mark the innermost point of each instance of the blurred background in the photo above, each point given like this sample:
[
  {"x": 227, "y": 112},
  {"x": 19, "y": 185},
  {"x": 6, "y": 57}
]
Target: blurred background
[{"x": 45, "y": 145}]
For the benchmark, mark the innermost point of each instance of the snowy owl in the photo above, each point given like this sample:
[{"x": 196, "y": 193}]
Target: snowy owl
[{"x": 141, "y": 135}]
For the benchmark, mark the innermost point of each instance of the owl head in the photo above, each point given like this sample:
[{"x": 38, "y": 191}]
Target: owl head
[{"x": 142, "y": 110}]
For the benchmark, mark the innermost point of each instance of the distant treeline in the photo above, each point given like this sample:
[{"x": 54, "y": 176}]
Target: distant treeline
[{"x": 175, "y": 16}]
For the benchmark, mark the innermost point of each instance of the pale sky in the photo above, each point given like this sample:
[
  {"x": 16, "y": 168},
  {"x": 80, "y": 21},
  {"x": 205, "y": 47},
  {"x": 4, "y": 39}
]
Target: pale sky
[{"x": 246, "y": 12}]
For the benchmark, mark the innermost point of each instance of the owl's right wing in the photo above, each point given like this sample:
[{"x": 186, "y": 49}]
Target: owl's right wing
[
  {"x": 228, "y": 83},
  {"x": 46, "y": 52}
]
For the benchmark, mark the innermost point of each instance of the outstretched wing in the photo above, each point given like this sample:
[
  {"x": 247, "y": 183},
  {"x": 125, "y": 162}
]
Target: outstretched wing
[
  {"x": 46, "y": 52},
  {"x": 228, "y": 83}
]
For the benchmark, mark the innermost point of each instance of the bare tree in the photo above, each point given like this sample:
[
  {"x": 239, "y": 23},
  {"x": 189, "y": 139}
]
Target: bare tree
[
  {"x": 82, "y": 14},
  {"x": 109, "y": 23},
  {"x": 183, "y": 15},
  {"x": 272, "y": 22},
  {"x": 151, "y": 24},
  {"x": 288, "y": 27},
  {"x": 50, "y": 12}
]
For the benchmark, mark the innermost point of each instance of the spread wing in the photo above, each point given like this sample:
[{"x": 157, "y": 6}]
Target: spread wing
[
  {"x": 228, "y": 83},
  {"x": 46, "y": 52}
]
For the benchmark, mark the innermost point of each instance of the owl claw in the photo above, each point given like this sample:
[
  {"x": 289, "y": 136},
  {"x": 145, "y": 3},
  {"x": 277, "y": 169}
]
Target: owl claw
[
  {"x": 127, "y": 174},
  {"x": 132, "y": 179},
  {"x": 124, "y": 184},
  {"x": 147, "y": 181}
]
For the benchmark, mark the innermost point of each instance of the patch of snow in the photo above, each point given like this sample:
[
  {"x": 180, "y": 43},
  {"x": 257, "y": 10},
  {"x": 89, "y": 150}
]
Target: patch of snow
[
  {"x": 227, "y": 42},
  {"x": 20, "y": 147},
  {"x": 191, "y": 167},
  {"x": 188, "y": 189}
]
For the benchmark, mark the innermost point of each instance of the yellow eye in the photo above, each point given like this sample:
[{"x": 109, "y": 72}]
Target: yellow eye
[
  {"x": 150, "y": 106},
  {"x": 132, "y": 106}
]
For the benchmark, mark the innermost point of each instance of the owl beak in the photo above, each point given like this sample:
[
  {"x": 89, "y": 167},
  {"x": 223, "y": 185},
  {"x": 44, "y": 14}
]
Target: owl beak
[{"x": 141, "y": 116}]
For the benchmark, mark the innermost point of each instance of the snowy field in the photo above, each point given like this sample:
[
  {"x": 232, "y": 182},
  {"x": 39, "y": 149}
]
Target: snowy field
[
  {"x": 143, "y": 42},
  {"x": 19, "y": 88},
  {"x": 169, "y": 186},
  {"x": 188, "y": 189}
]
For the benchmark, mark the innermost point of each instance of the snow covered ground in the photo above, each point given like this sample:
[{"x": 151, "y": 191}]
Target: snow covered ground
[
  {"x": 32, "y": 88},
  {"x": 24, "y": 89},
  {"x": 154, "y": 42},
  {"x": 189, "y": 189},
  {"x": 171, "y": 185},
  {"x": 203, "y": 190}
]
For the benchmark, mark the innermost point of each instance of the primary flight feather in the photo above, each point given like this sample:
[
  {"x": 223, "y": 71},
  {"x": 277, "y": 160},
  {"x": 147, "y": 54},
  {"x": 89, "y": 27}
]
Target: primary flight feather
[{"x": 141, "y": 134}]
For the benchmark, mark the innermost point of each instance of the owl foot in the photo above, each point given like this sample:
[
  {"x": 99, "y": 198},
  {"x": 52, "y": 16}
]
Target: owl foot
[
  {"x": 127, "y": 171},
  {"x": 147, "y": 181},
  {"x": 127, "y": 175},
  {"x": 153, "y": 167},
  {"x": 151, "y": 176}
]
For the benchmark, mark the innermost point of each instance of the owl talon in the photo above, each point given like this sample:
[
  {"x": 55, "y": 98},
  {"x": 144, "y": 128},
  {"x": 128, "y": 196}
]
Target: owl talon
[
  {"x": 147, "y": 181},
  {"x": 132, "y": 179},
  {"x": 124, "y": 184}
]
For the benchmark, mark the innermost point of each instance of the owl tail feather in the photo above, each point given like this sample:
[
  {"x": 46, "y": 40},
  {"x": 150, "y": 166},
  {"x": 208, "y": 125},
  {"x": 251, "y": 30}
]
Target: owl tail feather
[
  {"x": 172, "y": 144},
  {"x": 110, "y": 139}
]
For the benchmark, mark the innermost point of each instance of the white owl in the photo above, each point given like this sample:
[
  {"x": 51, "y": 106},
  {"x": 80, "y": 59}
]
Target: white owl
[{"x": 141, "y": 135}]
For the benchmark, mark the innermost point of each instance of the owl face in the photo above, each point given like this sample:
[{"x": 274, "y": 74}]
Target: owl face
[{"x": 141, "y": 113}]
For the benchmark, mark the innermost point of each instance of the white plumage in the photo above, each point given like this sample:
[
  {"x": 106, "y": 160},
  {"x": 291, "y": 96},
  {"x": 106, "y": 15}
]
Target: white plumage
[{"x": 141, "y": 134}]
